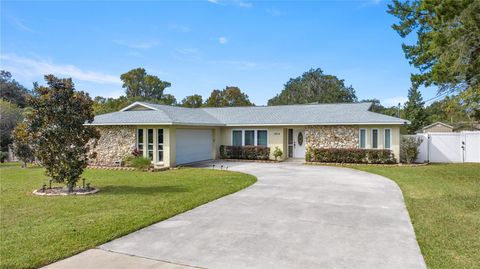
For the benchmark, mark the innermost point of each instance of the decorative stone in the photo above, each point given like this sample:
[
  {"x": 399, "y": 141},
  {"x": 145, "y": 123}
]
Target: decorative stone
[
  {"x": 340, "y": 136},
  {"x": 115, "y": 143}
]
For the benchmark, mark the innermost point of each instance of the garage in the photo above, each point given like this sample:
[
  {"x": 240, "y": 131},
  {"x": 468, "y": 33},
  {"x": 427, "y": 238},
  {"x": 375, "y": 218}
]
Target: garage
[{"x": 193, "y": 145}]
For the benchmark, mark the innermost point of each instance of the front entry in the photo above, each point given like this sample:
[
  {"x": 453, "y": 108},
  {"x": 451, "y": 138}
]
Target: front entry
[{"x": 296, "y": 143}]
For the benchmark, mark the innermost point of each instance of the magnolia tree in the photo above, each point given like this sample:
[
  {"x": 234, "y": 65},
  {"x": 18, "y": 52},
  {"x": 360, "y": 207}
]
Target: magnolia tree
[{"x": 57, "y": 131}]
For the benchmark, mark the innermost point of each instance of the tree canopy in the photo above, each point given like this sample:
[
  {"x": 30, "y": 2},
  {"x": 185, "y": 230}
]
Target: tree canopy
[
  {"x": 10, "y": 116},
  {"x": 314, "y": 86},
  {"x": 57, "y": 130},
  {"x": 230, "y": 96},
  {"x": 137, "y": 83},
  {"x": 192, "y": 101},
  {"x": 414, "y": 111},
  {"x": 11, "y": 90},
  {"x": 447, "y": 46}
]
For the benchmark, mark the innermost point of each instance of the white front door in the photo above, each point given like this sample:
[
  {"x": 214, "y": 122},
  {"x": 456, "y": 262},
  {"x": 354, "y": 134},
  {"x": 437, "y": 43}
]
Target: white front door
[{"x": 298, "y": 143}]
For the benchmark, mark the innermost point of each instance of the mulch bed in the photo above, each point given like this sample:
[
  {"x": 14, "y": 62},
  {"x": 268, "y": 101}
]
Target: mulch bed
[{"x": 57, "y": 191}]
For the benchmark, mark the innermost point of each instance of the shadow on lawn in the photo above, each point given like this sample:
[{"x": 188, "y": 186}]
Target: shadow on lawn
[{"x": 112, "y": 189}]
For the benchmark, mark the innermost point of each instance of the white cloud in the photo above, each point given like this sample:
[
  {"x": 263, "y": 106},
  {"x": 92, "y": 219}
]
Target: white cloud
[
  {"x": 138, "y": 45},
  {"x": 20, "y": 24},
  {"x": 222, "y": 40},
  {"x": 273, "y": 11},
  {"x": 32, "y": 69},
  {"x": 178, "y": 27},
  {"x": 393, "y": 101},
  {"x": 244, "y": 4},
  {"x": 213, "y": 1}
]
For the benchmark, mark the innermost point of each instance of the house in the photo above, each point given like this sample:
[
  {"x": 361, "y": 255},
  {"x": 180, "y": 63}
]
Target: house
[
  {"x": 171, "y": 135},
  {"x": 437, "y": 127}
]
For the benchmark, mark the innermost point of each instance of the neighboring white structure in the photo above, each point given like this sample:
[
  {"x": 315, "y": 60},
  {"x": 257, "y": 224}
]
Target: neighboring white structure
[
  {"x": 449, "y": 147},
  {"x": 437, "y": 127}
]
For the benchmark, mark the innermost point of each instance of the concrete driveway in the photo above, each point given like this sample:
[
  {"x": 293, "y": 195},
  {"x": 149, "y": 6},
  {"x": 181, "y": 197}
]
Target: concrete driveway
[{"x": 295, "y": 216}]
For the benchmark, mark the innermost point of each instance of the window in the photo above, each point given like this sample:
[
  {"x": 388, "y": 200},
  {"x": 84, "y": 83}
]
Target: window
[
  {"x": 150, "y": 144},
  {"x": 262, "y": 138},
  {"x": 388, "y": 138},
  {"x": 374, "y": 138},
  {"x": 140, "y": 141},
  {"x": 363, "y": 138},
  {"x": 160, "y": 145},
  {"x": 237, "y": 138},
  {"x": 250, "y": 138}
]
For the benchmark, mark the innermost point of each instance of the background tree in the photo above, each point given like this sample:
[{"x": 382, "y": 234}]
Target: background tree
[
  {"x": 138, "y": 83},
  {"x": 192, "y": 101},
  {"x": 230, "y": 96},
  {"x": 447, "y": 46},
  {"x": 314, "y": 87},
  {"x": 215, "y": 99},
  {"x": 414, "y": 111},
  {"x": 21, "y": 147},
  {"x": 57, "y": 129},
  {"x": 11, "y": 90},
  {"x": 168, "y": 99},
  {"x": 10, "y": 116}
]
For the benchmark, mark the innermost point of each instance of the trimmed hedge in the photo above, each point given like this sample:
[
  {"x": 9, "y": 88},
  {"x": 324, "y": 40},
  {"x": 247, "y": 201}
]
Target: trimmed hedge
[
  {"x": 246, "y": 152},
  {"x": 332, "y": 155}
]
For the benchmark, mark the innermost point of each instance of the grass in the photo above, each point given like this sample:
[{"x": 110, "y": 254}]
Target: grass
[
  {"x": 443, "y": 201},
  {"x": 37, "y": 230}
]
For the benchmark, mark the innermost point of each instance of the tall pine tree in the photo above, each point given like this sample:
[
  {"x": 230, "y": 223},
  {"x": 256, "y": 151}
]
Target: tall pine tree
[{"x": 414, "y": 110}]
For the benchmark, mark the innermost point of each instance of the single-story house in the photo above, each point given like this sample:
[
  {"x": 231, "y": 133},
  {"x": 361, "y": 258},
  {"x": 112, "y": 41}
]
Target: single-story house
[
  {"x": 171, "y": 135},
  {"x": 438, "y": 127}
]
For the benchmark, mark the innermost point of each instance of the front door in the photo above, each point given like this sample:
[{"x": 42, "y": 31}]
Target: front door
[{"x": 298, "y": 143}]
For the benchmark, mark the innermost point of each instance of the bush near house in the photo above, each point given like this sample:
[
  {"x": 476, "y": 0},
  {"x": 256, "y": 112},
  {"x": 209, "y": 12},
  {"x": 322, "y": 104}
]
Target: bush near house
[
  {"x": 246, "y": 152},
  {"x": 333, "y": 155},
  {"x": 409, "y": 148}
]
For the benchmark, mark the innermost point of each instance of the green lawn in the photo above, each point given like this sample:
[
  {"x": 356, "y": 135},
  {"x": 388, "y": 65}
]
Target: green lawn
[
  {"x": 37, "y": 230},
  {"x": 444, "y": 204}
]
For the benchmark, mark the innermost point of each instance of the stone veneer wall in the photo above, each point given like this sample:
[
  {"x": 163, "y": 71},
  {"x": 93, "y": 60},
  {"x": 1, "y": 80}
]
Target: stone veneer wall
[
  {"x": 115, "y": 143},
  {"x": 341, "y": 136}
]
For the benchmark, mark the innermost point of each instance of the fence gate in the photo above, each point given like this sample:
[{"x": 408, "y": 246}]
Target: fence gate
[{"x": 449, "y": 147}]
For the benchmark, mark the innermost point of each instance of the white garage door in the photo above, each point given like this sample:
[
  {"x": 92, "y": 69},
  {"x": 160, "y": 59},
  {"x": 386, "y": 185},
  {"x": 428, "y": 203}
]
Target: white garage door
[{"x": 193, "y": 145}]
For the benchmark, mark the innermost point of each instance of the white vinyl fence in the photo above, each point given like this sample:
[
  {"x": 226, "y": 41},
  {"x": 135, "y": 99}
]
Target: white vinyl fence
[{"x": 449, "y": 147}]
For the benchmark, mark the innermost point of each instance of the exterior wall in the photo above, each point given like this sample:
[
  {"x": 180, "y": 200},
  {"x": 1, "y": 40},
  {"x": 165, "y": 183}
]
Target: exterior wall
[
  {"x": 276, "y": 137},
  {"x": 348, "y": 137},
  {"x": 331, "y": 136},
  {"x": 115, "y": 143},
  {"x": 438, "y": 128}
]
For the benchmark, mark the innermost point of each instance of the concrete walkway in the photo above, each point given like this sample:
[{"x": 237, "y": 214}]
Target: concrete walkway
[{"x": 295, "y": 216}]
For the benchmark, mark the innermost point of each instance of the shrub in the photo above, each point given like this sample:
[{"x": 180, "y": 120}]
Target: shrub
[
  {"x": 3, "y": 156},
  {"x": 141, "y": 163},
  {"x": 246, "y": 152},
  {"x": 277, "y": 153},
  {"x": 333, "y": 155},
  {"x": 409, "y": 148}
]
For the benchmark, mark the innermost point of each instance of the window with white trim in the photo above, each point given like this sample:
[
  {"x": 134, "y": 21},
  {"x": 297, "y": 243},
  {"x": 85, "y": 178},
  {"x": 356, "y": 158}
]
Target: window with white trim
[
  {"x": 237, "y": 138},
  {"x": 140, "y": 141},
  {"x": 374, "y": 138},
  {"x": 160, "y": 145},
  {"x": 387, "y": 141},
  {"x": 262, "y": 136},
  {"x": 150, "y": 144},
  {"x": 362, "y": 138},
  {"x": 249, "y": 138}
]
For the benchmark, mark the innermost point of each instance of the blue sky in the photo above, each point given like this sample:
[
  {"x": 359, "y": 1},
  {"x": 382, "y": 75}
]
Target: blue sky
[{"x": 203, "y": 45}]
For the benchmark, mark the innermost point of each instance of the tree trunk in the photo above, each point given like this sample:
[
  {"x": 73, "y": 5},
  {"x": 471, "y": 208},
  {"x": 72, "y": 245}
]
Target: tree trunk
[{"x": 70, "y": 186}]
